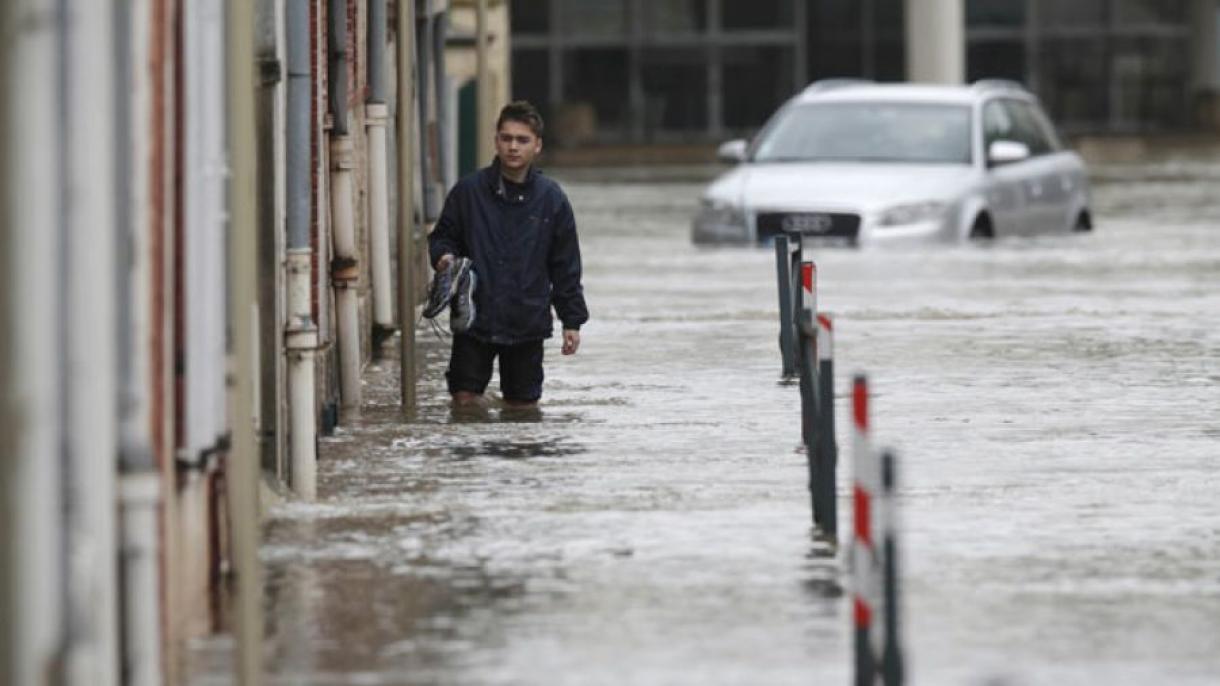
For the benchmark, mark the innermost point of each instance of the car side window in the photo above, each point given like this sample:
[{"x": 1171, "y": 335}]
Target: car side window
[
  {"x": 997, "y": 125},
  {"x": 1046, "y": 127},
  {"x": 1026, "y": 127}
]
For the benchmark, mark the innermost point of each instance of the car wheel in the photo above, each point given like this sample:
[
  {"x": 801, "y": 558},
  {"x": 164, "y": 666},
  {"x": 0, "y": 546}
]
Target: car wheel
[
  {"x": 982, "y": 228},
  {"x": 1084, "y": 222}
]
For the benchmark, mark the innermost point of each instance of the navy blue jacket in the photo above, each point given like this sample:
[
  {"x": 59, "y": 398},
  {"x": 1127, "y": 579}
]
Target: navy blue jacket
[{"x": 525, "y": 252}]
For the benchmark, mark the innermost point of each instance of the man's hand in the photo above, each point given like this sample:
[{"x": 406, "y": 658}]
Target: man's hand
[
  {"x": 442, "y": 263},
  {"x": 571, "y": 341}
]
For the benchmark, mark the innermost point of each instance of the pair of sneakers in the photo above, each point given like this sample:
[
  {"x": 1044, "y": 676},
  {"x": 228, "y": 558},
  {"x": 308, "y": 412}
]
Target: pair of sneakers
[{"x": 453, "y": 287}]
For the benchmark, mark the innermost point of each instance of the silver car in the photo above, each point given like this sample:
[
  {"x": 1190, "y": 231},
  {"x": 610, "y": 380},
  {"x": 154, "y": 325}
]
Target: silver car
[{"x": 869, "y": 164}]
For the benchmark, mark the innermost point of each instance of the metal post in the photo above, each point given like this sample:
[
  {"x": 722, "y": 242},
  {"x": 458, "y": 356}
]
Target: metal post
[
  {"x": 827, "y": 452},
  {"x": 243, "y": 469},
  {"x": 891, "y": 657},
  {"x": 807, "y": 349},
  {"x": 863, "y": 551},
  {"x": 406, "y": 203},
  {"x": 483, "y": 98},
  {"x": 31, "y": 473},
  {"x": 784, "y": 282},
  {"x": 807, "y": 368}
]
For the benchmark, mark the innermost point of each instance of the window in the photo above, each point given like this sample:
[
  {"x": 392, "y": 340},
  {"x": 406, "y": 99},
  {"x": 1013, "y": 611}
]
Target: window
[
  {"x": 995, "y": 13},
  {"x": 530, "y": 17},
  {"x": 1074, "y": 14},
  {"x": 592, "y": 18},
  {"x": 675, "y": 16},
  {"x": 756, "y": 14},
  {"x": 756, "y": 81},
  {"x": 997, "y": 124},
  {"x": 1145, "y": 12},
  {"x": 1027, "y": 127},
  {"x": 531, "y": 78},
  {"x": 995, "y": 59},
  {"x": 675, "y": 89},
  {"x": 598, "y": 77},
  {"x": 869, "y": 132}
]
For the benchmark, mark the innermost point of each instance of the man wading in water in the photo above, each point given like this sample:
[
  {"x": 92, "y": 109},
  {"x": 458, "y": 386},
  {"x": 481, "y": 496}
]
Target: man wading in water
[{"x": 507, "y": 233}]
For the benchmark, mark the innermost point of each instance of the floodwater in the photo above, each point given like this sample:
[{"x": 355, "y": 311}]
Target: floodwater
[{"x": 1053, "y": 403}]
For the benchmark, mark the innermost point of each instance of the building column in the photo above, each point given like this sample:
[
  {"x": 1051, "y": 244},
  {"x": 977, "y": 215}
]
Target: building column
[{"x": 936, "y": 41}]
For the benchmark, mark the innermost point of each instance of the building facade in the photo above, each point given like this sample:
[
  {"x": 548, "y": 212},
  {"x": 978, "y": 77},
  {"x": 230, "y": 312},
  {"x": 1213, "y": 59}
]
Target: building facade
[{"x": 654, "y": 71}]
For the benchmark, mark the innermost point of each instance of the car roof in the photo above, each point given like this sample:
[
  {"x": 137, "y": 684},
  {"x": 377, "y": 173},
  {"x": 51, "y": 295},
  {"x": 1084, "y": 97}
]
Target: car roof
[{"x": 850, "y": 90}]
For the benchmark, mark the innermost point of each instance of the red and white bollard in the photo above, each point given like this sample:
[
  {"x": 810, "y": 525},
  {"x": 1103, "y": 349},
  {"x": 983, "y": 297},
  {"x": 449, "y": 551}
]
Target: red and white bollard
[
  {"x": 809, "y": 300},
  {"x": 826, "y": 455},
  {"x": 865, "y": 561}
]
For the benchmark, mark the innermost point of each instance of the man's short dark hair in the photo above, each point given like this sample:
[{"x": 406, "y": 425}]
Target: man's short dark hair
[{"x": 523, "y": 112}]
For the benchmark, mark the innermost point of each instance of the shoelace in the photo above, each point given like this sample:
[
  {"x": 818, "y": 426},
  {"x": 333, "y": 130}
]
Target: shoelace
[{"x": 437, "y": 329}]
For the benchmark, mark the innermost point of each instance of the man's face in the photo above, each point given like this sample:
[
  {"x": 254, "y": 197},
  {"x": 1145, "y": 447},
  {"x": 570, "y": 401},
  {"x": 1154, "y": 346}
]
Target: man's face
[{"x": 517, "y": 146}]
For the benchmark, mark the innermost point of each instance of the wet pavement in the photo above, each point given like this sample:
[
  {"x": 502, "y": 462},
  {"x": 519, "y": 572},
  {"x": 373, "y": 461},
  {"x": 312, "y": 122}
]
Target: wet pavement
[{"x": 1053, "y": 402}]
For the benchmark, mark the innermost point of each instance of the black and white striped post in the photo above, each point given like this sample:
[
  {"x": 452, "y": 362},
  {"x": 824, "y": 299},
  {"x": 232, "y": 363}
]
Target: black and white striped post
[
  {"x": 891, "y": 655},
  {"x": 864, "y": 558},
  {"x": 787, "y": 334},
  {"x": 827, "y": 449}
]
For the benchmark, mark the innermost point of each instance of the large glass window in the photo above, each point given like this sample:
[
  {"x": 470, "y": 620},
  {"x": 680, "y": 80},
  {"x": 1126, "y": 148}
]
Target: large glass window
[
  {"x": 675, "y": 16},
  {"x": 675, "y": 90},
  {"x": 869, "y": 132},
  {"x": 592, "y": 18},
  {"x": 995, "y": 59},
  {"x": 598, "y": 77},
  {"x": 995, "y": 13},
  {"x": 1145, "y": 12},
  {"x": 756, "y": 14},
  {"x": 532, "y": 78},
  {"x": 531, "y": 17},
  {"x": 756, "y": 81},
  {"x": 835, "y": 43},
  {"x": 1072, "y": 80},
  {"x": 1148, "y": 83},
  {"x": 1072, "y": 13}
]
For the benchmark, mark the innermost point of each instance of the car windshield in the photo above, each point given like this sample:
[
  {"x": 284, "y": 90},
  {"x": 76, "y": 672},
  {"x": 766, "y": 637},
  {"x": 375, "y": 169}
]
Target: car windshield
[{"x": 868, "y": 132}]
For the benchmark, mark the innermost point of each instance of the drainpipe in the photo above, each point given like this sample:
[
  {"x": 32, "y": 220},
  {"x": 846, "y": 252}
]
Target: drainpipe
[
  {"x": 423, "y": 84},
  {"x": 139, "y": 481},
  {"x": 242, "y": 477},
  {"x": 345, "y": 268},
  {"x": 406, "y": 203},
  {"x": 443, "y": 102},
  {"x": 301, "y": 333},
  {"x": 484, "y": 146},
  {"x": 376, "y": 114},
  {"x": 31, "y": 600},
  {"x": 90, "y": 435}
]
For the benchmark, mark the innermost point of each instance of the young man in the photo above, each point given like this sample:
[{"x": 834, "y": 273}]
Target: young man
[{"x": 516, "y": 227}]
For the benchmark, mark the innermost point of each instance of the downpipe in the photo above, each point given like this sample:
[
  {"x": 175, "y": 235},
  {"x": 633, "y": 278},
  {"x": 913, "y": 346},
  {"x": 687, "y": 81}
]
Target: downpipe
[
  {"x": 376, "y": 115},
  {"x": 345, "y": 273},
  {"x": 140, "y": 501},
  {"x": 301, "y": 343}
]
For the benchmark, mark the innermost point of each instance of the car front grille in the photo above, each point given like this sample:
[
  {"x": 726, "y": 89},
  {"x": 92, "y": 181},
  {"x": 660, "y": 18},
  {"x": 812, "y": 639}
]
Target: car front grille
[{"x": 836, "y": 225}]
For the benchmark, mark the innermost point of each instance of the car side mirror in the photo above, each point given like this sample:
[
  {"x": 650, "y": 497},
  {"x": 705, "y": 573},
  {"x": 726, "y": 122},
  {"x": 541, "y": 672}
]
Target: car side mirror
[
  {"x": 733, "y": 151},
  {"x": 1006, "y": 152}
]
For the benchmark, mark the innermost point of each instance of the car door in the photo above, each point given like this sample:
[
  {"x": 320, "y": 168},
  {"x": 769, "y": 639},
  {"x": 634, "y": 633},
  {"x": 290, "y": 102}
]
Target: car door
[
  {"x": 1046, "y": 183},
  {"x": 1004, "y": 193}
]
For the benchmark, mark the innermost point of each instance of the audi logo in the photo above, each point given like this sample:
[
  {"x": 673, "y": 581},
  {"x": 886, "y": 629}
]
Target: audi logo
[{"x": 808, "y": 223}]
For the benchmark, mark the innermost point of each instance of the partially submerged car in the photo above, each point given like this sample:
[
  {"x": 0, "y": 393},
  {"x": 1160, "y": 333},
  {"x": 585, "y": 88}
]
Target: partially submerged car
[{"x": 865, "y": 163}]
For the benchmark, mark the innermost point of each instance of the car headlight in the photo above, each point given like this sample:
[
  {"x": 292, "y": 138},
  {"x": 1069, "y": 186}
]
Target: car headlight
[
  {"x": 721, "y": 213},
  {"x": 912, "y": 213}
]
